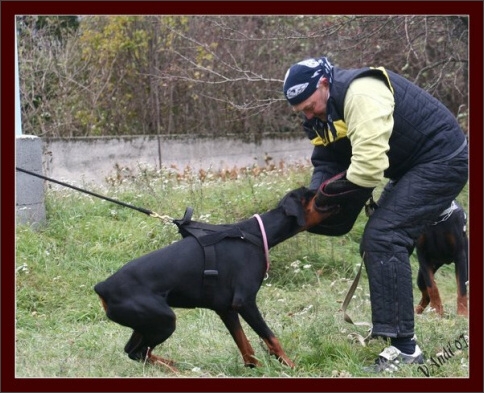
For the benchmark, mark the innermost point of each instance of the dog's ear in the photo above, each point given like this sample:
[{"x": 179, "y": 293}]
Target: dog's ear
[{"x": 293, "y": 206}]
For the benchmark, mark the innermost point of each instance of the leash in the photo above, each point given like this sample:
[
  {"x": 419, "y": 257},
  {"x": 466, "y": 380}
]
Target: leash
[
  {"x": 347, "y": 318},
  {"x": 264, "y": 239},
  {"x": 150, "y": 213},
  {"x": 370, "y": 207}
]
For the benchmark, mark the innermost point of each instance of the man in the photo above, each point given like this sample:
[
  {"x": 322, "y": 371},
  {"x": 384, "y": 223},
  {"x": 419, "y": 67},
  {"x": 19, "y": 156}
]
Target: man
[{"x": 368, "y": 124}]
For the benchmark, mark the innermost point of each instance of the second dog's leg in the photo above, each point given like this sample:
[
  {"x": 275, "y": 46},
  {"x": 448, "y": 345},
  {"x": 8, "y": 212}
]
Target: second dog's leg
[
  {"x": 425, "y": 299},
  {"x": 433, "y": 291},
  {"x": 462, "y": 275},
  {"x": 462, "y": 305},
  {"x": 461, "y": 297},
  {"x": 430, "y": 292}
]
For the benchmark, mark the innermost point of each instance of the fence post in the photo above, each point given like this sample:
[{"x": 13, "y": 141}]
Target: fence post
[{"x": 29, "y": 189}]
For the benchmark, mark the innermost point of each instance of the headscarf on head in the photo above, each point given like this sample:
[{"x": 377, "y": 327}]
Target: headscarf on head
[{"x": 302, "y": 78}]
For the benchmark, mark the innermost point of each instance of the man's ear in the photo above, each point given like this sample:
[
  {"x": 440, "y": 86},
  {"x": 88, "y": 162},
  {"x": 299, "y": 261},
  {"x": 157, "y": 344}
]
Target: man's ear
[{"x": 323, "y": 81}]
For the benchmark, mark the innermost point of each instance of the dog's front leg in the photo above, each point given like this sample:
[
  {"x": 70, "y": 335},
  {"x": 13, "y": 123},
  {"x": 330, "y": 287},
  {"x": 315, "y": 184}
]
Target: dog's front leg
[
  {"x": 250, "y": 312},
  {"x": 275, "y": 349},
  {"x": 232, "y": 322}
]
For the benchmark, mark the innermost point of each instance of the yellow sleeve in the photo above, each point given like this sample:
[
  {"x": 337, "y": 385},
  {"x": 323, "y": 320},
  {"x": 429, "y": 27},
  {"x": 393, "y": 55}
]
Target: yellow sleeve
[{"x": 368, "y": 107}]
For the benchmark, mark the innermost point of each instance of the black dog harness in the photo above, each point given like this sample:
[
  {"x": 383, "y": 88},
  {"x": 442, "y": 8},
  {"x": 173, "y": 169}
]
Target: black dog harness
[{"x": 207, "y": 236}]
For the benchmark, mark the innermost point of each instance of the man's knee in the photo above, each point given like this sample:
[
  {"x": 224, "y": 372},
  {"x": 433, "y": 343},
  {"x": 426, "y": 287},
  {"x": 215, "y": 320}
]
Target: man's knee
[{"x": 375, "y": 238}]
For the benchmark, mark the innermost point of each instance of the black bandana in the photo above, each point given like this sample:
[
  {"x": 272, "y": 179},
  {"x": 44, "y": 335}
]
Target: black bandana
[{"x": 302, "y": 78}]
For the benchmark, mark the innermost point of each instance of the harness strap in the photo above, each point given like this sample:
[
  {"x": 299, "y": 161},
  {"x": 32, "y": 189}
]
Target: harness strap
[
  {"x": 210, "y": 264},
  {"x": 208, "y": 235},
  {"x": 210, "y": 274}
]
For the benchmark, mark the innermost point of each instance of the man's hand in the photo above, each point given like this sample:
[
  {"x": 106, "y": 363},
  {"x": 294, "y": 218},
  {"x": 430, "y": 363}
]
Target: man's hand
[
  {"x": 340, "y": 191},
  {"x": 349, "y": 198},
  {"x": 316, "y": 215}
]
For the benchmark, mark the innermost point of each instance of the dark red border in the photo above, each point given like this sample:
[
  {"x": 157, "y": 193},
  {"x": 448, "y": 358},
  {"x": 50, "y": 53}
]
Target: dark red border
[
  {"x": 10, "y": 8},
  {"x": 240, "y": 7}
]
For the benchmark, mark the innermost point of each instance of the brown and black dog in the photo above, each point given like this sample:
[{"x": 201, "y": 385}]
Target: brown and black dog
[
  {"x": 442, "y": 243},
  {"x": 221, "y": 268}
]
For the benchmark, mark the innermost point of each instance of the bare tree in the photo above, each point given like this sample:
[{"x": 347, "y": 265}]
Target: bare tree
[{"x": 218, "y": 75}]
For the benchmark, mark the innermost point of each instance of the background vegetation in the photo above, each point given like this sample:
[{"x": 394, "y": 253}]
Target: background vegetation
[
  {"x": 215, "y": 75},
  {"x": 206, "y": 76},
  {"x": 61, "y": 330}
]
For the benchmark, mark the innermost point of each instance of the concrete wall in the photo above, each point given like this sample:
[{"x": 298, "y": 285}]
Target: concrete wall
[{"x": 85, "y": 160}]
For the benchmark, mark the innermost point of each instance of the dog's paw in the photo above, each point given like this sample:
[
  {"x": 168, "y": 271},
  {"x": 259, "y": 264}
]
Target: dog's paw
[{"x": 159, "y": 361}]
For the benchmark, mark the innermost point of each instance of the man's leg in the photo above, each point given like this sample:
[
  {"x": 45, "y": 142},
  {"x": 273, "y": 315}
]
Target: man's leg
[{"x": 388, "y": 240}]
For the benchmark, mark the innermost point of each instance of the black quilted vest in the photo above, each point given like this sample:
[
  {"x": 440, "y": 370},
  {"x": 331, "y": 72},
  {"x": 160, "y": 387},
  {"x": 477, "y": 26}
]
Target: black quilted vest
[{"x": 424, "y": 129}]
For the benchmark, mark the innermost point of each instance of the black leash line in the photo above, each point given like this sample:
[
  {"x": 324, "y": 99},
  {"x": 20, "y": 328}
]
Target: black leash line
[{"x": 140, "y": 209}]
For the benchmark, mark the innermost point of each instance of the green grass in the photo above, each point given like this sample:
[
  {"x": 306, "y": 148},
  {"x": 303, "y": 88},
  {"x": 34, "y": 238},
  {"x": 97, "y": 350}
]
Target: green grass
[{"x": 61, "y": 330}]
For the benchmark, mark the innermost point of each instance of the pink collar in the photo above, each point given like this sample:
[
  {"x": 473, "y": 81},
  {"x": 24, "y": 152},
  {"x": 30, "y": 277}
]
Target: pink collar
[{"x": 264, "y": 239}]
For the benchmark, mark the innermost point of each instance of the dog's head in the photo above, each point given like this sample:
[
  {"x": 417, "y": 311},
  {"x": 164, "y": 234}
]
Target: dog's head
[{"x": 300, "y": 204}]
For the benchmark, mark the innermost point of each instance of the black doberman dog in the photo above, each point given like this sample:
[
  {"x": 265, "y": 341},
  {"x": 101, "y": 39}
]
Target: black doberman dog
[
  {"x": 443, "y": 242},
  {"x": 221, "y": 270}
]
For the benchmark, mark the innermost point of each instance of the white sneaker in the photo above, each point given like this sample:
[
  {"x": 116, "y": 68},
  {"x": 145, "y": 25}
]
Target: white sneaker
[{"x": 391, "y": 358}]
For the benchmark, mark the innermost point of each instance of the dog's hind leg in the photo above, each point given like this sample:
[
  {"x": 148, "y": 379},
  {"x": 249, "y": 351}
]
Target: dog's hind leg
[
  {"x": 137, "y": 349},
  {"x": 232, "y": 322},
  {"x": 149, "y": 333},
  {"x": 252, "y": 316}
]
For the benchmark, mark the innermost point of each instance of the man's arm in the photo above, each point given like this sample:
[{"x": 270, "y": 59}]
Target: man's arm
[{"x": 368, "y": 108}]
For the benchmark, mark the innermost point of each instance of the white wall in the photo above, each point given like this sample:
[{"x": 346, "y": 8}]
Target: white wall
[{"x": 84, "y": 160}]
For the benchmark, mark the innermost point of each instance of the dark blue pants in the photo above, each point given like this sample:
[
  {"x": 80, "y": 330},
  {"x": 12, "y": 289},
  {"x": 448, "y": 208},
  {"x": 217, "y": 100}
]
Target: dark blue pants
[{"x": 404, "y": 208}]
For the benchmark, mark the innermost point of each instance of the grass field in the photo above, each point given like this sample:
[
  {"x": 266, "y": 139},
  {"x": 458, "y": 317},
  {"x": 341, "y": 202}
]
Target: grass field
[{"x": 61, "y": 330}]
